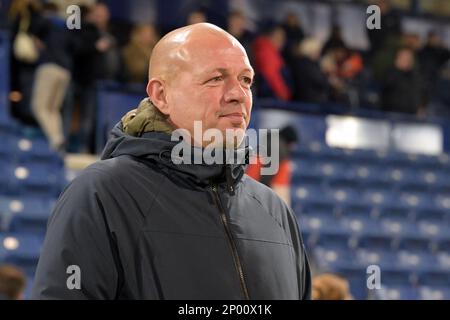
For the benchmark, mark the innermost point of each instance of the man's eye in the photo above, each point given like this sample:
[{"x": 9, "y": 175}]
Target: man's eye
[
  {"x": 216, "y": 79},
  {"x": 247, "y": 80}
]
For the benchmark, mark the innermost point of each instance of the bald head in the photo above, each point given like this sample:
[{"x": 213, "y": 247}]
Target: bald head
[
  {"x": 177, "y": 49},
  {"x": 200, "y": 73}
]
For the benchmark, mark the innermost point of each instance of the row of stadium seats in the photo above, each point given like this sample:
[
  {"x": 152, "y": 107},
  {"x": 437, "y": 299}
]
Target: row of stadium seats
[
  {"x": 321, "y": 152},
  {"x": 312, "y": 193},
  {"x": 426, "y": 232},
  {"x": 31, "y": 178},
  {"x": 337, "y": 174},
  {"x": 25, "y": 213},
  {"x": 361, "y": 208}
]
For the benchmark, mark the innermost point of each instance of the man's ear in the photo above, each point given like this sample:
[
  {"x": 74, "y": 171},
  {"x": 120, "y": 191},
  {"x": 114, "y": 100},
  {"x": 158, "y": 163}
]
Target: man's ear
[{"x": 156, "y": 90}]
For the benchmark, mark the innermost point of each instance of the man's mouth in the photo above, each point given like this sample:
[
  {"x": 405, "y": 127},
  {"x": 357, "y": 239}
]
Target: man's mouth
[{"x": 234, "y": 117}]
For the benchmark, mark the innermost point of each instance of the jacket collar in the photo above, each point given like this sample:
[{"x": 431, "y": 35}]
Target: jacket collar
[{"x": 144, "y": 133}]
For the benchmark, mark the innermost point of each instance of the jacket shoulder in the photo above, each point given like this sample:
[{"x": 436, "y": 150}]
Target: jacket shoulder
[
  {"x": 261, "y": 191},
  {"x": 268, "y": 200}
]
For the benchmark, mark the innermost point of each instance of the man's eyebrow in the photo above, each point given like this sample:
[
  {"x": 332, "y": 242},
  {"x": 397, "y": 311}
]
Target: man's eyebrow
[
  {"x": 249, "y": 70},
  {"x": 225, "y": 71}
]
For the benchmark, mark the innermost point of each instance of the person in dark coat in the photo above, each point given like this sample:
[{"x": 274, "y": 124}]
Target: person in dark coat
[
  {"x": 310, "y": 83},
  {"x": 147, "y": 223},
  {"x": 403, "y": 87},
  {"x": 294, "y": 35},
  {"x": 433, "y": 56},
  {"x": 334, "y": 41}
]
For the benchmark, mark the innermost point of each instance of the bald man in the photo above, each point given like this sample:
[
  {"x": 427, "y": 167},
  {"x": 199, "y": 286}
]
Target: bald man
[{"x": 140, "y": 224}]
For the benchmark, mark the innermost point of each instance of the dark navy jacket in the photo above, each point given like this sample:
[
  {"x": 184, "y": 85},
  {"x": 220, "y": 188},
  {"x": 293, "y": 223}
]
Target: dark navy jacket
[{"x": 141, "y": 227}]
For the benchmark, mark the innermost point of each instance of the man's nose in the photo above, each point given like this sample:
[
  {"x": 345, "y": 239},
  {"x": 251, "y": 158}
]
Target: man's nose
[{"x": 235, "y": 92}]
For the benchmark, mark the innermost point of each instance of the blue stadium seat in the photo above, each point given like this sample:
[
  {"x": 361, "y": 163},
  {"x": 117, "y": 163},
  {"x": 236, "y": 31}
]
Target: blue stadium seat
[
  {"x": 322, "y": 225},
  {"x": 430, "y": 214},
  {"x": 443, "y": 260},
  {"x": 303, "y": 172},
  {"x": 345, "y": 196},
  {"x": 356, "y": 210},
  {"x": 357, "y": 278},
  {"x": 415, "y": 243},
  {"x": 368, "y": 176},
  {"x": 360, "y": 225},
  {"x": 308, "y": 192},
  {"x": 332, "y": 258},
  {"x": 418, "y": 182},
  {"x": 434, "y": 278},
  {"x": 434, "y": 293},
  {"x": 398, "y": 227},
  {"x": 375, "y": 242},
  {"x": 313, "y": 171},
  {"x": 396, "y": 277},
  {"x": 34, "y": 179},
  {"x": 20, "y": 249},
  {"x": 443, "y": 245},
  {"x": 35, "y": 150},
  {"x": 319, "y": 151},
  {"x": 437, "y": 181},
  {"x": 443, "y": 202},
  {"x": 395, "y": 211},
  {"x": 399, "y": 292},
  {"x": 401, "y": 175},
  {"x": 322, "y": 207},
  {"x": 361, "y": 156},
  {"x": 416, "y": 260},
  {"x": 113, "y": 103},
  {"x": 379, "y": 197},
  {"x": 401, "y": 159},
  {"x": 427, "y": 162},
  {"x": 416, "y": 200},
  {"x": 382, "y": 258},
  {"x": 337, "y": 241},
  {"x": 433, "y": 228},
  {"x": 25, "y": 213}
]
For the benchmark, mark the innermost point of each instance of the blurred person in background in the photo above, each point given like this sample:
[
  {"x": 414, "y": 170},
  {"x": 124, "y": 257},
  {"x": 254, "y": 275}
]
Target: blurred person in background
[
  {"x": 335, "y": 40},
  {"x": 432, "y": 57},
  {"x": 310, "y": 83},
  {"x": 23, "y": 15},
  {"x": 342, "y": 66},
  {"x": 136, "y": 54},
  {"x": 294, "y": 35},
  {"x": 281, "y": 181},
  {"x": 270, "y": 65},
  {"x": 196, "y": 16},
  {"x": 106, "y": 44},
  {"x": 342, "y": 63},
  {"x": 12, "y": 283},
  {"x": 384, "y": 42},
  {"x": 329, "y": 286},
  {"x": 390, "y": 30},
  {"x": 96, "y": 58},
  {"x": 237, "y": 27},
  {"x": 412, "y": 41},
  {"x": 53, "y": 75},
  {"x": 403, "y": 87}
]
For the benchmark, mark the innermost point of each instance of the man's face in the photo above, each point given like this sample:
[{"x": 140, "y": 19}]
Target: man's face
[
  {"x": 212, "y": 86},
  {"x": 101, "y": 14},
  {"x": 278, "y": 38},
  {"x": 405, "y": 60}
]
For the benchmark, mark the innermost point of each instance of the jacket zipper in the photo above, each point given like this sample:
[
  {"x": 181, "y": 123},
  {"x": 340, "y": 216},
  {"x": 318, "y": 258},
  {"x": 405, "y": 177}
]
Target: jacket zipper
[{"x": 237, "y": 261}]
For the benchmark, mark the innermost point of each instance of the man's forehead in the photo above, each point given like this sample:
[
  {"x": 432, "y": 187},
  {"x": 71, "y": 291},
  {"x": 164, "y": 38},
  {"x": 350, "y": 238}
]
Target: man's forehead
[
  {"x": 219, "y": 57},
  {"x": 196, "y": 48}
]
